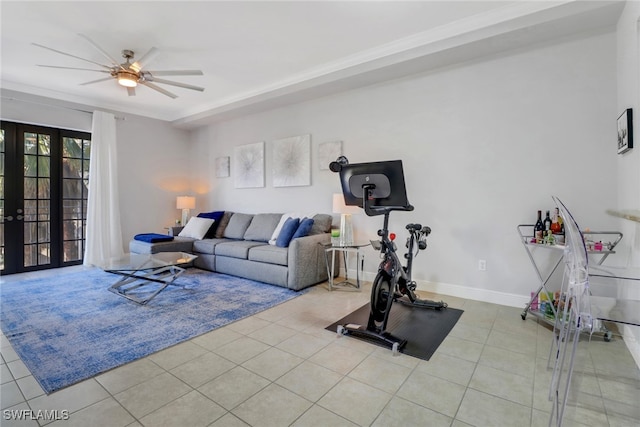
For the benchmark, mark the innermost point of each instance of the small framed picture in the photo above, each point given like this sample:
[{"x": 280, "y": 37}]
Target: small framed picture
[{"x": 625, "y": 131}]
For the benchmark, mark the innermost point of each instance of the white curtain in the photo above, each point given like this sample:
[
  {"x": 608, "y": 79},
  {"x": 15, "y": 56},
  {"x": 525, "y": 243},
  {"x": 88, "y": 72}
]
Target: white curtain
[{"x": 104, "y": 235}]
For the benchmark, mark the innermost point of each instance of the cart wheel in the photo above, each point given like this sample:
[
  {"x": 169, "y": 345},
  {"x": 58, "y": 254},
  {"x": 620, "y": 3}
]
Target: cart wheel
[
  {"x": 607, "y": 336},
  {"x": 394, "y": 349},
  {"x": 341, "y": 330},
  {"x": 524, "y": 315}
]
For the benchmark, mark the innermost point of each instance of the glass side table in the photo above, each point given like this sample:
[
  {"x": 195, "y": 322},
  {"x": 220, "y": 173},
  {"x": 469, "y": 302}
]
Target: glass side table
[{"x": 330, "y": 251}]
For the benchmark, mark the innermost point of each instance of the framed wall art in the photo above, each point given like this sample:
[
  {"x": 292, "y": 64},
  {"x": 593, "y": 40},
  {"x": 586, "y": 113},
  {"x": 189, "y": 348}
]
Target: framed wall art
[
  {"x": 625, "y": 131},
  {"x": 222, "y": 167},
  {"x": 292, "y": 161},
  {"x": 248, "y": 165}
]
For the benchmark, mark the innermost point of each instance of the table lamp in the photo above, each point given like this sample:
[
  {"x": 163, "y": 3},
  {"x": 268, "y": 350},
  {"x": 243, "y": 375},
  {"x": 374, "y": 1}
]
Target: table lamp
[
  {"x": 185, "y": 203},
  {"x": 346, "y": 226}
]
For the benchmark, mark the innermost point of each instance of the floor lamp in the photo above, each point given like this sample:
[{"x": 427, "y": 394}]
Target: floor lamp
[
  {"x": 185, "y": 203},
  {"x": 346, "y": 225}
]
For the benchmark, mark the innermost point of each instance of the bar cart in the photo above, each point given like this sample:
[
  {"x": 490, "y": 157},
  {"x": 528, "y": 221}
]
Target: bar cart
[{"x": 600, "y": 244}]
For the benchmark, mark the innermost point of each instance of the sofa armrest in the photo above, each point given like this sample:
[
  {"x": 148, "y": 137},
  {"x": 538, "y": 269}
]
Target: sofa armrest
[{"x": 306, "y": 258}]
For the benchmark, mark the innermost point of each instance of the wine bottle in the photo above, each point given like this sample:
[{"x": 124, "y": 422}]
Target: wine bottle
[
  {"x": 538, "y": 229},
  {"x": 547, "y": 222},
  {"x": 556, "y": 228}
]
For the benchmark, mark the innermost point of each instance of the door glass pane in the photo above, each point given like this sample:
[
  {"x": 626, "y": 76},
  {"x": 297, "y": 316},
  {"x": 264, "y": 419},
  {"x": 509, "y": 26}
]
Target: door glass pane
[
  {"x": 30, "y": 165},
  {"x": 72, "y": 209},
  {"x": 72, "y": 189},
  {"x": 86, "y": 148},
  {"x": 30, "y": 144},
  {"x": 43, "y": 166},
  {"x": 44, "y": 254},
  {"x": 72, "y": 251},
  {"x": 72, "y": 168},
  {"x": 30, "y": 232},
  {"x": 30, "y": 188},
  {"x": 44, "y": 210},
  {"x": 44, "y": 188},
  {"x": 30, "y": 210},
  {"x": 44, "y": 145},
  {"x": 72, "y": 147},
  {"x": 44, "y": 232},
  {"x": 30, "y": 255}
]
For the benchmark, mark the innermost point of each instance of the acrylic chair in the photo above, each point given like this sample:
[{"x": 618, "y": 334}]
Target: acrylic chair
[{"x": 572, "y": 319}]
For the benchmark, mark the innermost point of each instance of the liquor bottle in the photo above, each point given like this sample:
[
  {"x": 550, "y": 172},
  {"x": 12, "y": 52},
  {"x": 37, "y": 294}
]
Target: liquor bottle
[
  {"x": 538, "y": 229},
  {"x": 547, "y": 222},
  {"x": 556, "y": 228}
]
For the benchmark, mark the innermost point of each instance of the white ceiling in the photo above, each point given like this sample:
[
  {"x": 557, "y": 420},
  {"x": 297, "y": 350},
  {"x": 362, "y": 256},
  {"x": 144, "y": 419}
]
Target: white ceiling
[{"x": 262, "y": 54}]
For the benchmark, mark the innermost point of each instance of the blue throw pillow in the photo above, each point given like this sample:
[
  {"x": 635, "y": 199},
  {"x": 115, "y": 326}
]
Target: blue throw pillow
[
  {"x": 304, "y": 228},
  {"x": 216, "y": 217},
  {"x": 286, "y": 233}
]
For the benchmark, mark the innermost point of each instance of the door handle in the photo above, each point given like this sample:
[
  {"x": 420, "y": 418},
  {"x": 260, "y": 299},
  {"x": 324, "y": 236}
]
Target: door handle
[
  {"x": 8, "y": 218},
  {"x": 19, "y": 217}
]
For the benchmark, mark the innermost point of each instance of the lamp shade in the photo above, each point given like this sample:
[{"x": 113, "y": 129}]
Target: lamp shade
[
  {"x": 185, "y": 202},
  {"x": 340, "y": 207}
]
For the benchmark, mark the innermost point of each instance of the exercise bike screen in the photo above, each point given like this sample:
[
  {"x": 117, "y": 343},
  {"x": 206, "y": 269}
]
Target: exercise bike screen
[{"x": 386, "y": 176}]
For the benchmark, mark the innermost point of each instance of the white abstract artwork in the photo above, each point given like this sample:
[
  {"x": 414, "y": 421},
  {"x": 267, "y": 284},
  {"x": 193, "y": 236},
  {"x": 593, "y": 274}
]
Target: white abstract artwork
[
  {"x": 328, "y": 152},
  {"x": 248, "y": 165},
  {"x": 292, "y": 161},
  {"x": 222, "y": 167}
]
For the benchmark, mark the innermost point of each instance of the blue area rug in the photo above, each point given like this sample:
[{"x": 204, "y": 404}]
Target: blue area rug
[{"x": 70, "y": 327}]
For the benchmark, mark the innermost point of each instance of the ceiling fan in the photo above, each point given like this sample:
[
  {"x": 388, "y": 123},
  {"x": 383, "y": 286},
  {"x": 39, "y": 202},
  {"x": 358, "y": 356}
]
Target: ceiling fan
[{"x": 130, "y": 74}]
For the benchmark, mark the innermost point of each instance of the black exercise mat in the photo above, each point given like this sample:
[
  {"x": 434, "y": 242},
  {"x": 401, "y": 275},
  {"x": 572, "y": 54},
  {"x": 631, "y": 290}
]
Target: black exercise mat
[{"x": 423, "y": 328}]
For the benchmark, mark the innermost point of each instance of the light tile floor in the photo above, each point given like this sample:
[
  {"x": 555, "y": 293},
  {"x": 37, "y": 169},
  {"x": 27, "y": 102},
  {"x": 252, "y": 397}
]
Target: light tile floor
[{"x": 282, "y": 368}]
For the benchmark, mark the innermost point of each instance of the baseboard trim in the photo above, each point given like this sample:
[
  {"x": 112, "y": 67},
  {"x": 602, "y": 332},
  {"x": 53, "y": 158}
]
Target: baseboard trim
[{"x": 459, "y": 291}]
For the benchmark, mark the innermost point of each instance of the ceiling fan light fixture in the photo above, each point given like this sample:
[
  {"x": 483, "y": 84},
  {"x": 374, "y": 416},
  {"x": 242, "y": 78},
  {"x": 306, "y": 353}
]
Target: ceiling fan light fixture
[{"x": 127, "y": 79}]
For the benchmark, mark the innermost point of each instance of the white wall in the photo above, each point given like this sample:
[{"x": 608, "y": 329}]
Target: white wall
[
  {"x": 153, "y": 169},
  {"x": 628, "y": 165},
  {"x": 484, "y": 145}
]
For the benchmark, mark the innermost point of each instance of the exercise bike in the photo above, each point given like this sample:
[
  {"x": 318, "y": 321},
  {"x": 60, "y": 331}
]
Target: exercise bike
[{"x": 393, "y": 281}]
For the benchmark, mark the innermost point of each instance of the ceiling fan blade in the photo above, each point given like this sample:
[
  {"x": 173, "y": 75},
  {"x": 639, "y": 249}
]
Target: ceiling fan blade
[
  {"x": 131, "y": 91},
  {"x": 175, "y": 73},
  {"x": 73, "y": 56},
  {"x": 145, "y": 59},
  {"x": 178, "y": 84},
  {"x": 73, "y": 68},
  {"x": 159, "y": 89},
  {"x": 102, "y": 51},
  {"x": 97, "y": 81}
]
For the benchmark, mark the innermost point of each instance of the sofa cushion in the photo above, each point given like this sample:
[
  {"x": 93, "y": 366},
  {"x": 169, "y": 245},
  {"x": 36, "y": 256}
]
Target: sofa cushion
[
  {"x": 222, "y": 226},
  {"x": 288, "y": 230},
  {"x": 235, "y": 248},
  {"x": 321, "y": 224},
  {"x": 262, "y": 227},
  {"x": 207, "y": 246},
  {"x": 237, "y": 226},
  {"x": 304, "y": 228},
  {"x": 196, "y": 228},
  {"x": 269, "y": 254},
  {"x": 216, "y": 216}
]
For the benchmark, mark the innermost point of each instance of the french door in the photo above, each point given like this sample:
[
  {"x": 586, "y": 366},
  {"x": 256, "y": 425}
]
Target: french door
[{"x": 44, "y": 174}]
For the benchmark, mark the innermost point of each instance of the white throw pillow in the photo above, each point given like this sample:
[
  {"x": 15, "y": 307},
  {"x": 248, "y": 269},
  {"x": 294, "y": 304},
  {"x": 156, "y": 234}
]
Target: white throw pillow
[
  {"x": 196, "y": 228},
  {"x": 284, "y": 218}
]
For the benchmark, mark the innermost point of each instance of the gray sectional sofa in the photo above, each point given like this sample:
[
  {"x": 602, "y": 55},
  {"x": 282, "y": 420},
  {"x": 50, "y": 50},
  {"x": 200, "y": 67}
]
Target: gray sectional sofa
[{"x": 238, "y": 244}]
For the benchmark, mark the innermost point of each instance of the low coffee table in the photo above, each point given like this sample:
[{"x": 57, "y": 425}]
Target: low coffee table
[{"x": 140, "y": 270}]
